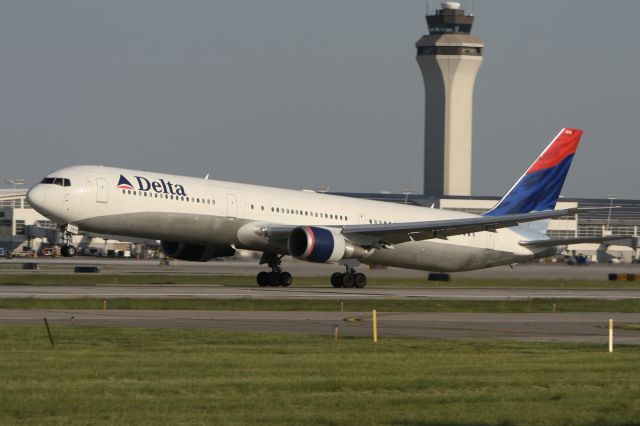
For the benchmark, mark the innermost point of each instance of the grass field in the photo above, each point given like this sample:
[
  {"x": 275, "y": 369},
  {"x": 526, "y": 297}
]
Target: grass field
[
  {"x": 43, "y": 278},
  {"x": 387, "y": 305},
  {"x": 136, "y": 376}
]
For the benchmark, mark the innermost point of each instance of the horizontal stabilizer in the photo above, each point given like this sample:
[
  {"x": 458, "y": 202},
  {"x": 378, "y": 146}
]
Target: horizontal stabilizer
[{"x": 551, "y": 242}]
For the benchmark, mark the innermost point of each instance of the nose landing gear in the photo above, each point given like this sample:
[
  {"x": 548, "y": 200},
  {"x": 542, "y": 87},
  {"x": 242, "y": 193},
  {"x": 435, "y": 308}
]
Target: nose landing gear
[
  {"x": 67, "y": 249},
  {"x": 276, "y": 277}
]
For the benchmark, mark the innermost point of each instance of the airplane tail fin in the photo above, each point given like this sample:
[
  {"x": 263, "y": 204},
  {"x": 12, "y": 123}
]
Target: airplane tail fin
[{"x": 538, "y": 189}]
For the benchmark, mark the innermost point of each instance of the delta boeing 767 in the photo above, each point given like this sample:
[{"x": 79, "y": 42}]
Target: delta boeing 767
[{"x": 199, "y": 219}]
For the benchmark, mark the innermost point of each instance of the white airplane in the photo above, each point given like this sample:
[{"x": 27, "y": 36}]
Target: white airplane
[{"x": 199, "y": 219}]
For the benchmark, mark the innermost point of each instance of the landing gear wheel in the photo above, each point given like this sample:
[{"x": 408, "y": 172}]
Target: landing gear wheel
[
  {"x": 263, "y": 279},
  {"x": 336, "y": 280},
  {"x": 285, "y": 279},
  {"x": 67, "y": 251},
  {"x": 274, "y": 279},
  {"x": 360, "y": 280},
  {"x": 348, "y": 280}
]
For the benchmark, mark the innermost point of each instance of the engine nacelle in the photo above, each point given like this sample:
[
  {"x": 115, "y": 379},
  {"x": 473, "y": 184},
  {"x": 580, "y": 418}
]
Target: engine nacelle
[
  {"x": 321, "y": 245},
  {"x": 195, "y": 252}
]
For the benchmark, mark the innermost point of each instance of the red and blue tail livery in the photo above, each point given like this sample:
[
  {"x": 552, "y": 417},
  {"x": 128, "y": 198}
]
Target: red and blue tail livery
[{"x": 538, "y": 189}]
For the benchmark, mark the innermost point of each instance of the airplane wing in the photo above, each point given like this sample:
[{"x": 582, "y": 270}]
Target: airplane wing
[
  {"x": 395, "y": 233},
  {"x": 551, "y": 242}
]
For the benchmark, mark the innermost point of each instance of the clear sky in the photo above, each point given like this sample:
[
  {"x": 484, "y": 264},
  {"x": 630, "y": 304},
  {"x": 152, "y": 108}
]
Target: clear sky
[{"x": 307, "y": 93}]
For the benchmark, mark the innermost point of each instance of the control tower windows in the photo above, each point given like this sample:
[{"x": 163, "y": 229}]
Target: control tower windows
[{"x": 449, "y": 50}]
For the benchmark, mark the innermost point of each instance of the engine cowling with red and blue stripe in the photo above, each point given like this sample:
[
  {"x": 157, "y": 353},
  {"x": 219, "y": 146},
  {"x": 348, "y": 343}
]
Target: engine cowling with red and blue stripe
[{"x": 321, "y": 245}]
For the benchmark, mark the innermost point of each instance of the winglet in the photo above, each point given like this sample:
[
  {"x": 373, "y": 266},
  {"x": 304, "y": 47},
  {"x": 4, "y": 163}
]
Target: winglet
[{"x": 538, "y": 189}]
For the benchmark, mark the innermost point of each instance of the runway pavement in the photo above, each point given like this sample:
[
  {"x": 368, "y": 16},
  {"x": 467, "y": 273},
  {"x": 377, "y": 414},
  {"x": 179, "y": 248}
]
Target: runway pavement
[
  {"x": 320, "y": 293},
  {"x": 565, "y": 327},
  {"x": 248, "y": 267}
]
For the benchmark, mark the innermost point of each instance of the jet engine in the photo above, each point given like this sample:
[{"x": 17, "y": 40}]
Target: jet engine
[
  {"x": 195, "y": 252},
  {"x": 321, "y": 245}
]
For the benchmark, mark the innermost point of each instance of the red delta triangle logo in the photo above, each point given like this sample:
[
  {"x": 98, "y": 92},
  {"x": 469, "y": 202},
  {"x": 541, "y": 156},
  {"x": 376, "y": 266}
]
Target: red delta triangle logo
[{"x": 124, "y": 183}]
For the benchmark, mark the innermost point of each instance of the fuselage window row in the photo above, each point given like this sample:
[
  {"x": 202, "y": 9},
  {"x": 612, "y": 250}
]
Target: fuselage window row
[
  {"x": 253, "y": 207},
  {"x": 167, "y": 196},
  {"x": 306, "y": 213}
]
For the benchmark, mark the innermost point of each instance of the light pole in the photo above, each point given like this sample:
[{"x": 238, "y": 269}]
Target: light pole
[
  {"x": 406, "y": 193},
  {"x": 611, "y": 198}
]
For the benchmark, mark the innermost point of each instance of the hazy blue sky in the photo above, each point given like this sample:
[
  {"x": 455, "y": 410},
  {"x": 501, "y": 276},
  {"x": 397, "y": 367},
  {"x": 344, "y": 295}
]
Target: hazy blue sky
[{"x": 307, "y": 93}]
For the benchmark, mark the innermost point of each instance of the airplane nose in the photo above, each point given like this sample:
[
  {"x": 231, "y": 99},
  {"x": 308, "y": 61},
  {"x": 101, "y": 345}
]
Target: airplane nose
[{"x": 36, "y": 196}]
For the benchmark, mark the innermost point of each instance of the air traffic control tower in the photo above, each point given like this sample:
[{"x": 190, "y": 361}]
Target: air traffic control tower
[{"x": 449, "y": 58}]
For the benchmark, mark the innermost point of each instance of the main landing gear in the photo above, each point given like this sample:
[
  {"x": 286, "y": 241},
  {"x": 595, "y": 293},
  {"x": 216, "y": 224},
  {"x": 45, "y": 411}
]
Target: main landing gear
[
  {"x": 276, "y": 277},
  {"x": 349, "y": 279}
]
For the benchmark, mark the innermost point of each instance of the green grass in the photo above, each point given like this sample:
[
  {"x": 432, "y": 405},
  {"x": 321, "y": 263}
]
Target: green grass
[
  {"x": 140, "y": 376},
  {"x": 387, "y": 305},
  {"x": 40, "y": 278}
]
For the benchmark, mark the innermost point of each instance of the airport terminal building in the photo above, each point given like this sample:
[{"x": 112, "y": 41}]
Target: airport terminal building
[{"x": 25, "y": 232}]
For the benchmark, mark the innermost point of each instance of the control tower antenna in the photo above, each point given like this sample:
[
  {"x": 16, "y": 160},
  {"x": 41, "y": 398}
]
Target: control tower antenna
[{"x": 449, "y": 58}]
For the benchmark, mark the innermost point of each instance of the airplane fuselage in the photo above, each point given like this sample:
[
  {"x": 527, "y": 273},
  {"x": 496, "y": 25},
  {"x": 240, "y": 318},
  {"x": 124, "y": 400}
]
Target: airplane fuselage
[{"x": 194, "y": 210}]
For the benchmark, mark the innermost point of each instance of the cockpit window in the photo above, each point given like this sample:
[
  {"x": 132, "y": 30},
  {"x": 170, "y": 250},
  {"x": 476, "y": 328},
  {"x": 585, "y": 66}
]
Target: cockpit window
[{"x": 56, "y": 181}]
